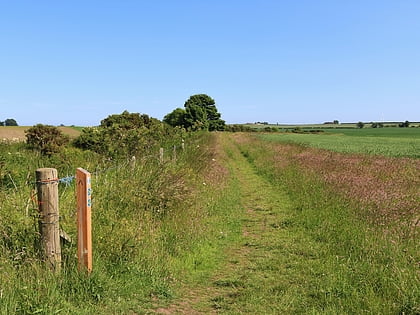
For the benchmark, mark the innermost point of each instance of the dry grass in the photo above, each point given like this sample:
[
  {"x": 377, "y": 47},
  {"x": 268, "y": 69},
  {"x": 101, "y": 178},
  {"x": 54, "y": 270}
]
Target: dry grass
[{"x": 17, "y": 133}]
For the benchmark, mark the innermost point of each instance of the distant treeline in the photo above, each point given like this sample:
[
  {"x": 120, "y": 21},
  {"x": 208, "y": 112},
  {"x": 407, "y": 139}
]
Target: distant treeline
[{"x": 9, "y": 122}]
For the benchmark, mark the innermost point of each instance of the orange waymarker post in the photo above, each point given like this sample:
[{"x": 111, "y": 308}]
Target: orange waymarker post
[{"x": 84, "y": 223}]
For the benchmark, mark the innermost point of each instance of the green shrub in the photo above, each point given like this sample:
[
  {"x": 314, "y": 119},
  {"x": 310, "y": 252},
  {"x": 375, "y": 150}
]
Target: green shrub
[
  {"x": 127, "y": 134},
  {"x": 47, "y": 139}
]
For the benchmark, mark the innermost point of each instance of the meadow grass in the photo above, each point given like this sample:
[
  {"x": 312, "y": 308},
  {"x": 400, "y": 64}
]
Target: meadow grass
[
  {"x": 404, "y": 145},
  {"x": 342, "y": 264},
  {"x": 156, "y": 225}
]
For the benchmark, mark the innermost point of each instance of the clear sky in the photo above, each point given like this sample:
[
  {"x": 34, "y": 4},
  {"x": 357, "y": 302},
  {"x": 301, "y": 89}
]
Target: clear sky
[{"x": 295, "y": 61}]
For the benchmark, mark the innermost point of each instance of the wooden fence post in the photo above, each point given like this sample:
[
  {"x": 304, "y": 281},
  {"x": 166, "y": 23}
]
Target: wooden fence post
[
  {"x": 47, "y": 193},
  {"x": 174, "y": 154},
  {"x": 133, "y": 162},
  {"x": 161, "y": 155},
  {"x": 84, "y": 223},
  {"x": 183, "y": 145}
]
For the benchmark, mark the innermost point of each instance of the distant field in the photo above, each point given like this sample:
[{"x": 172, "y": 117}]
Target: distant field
[
  {"x": 17, "y": 133},
  {"x": 379, "y": 132},
  {"x": 394, "y": 142},
  {"x": 303, "y": 126},
  {"x": 342, "y": 126}
]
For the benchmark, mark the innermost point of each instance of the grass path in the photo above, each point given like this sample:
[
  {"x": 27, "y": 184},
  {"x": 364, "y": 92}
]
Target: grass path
[{"x": 265, "y": 268}]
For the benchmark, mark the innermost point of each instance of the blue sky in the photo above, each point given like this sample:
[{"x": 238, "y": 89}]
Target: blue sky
[{"x": 76, "y": 62}]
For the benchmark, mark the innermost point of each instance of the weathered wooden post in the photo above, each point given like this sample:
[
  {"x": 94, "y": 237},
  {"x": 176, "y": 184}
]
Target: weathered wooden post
[
  {"x": 47, "y": 193},
  {"x": 183, "y": 145},
  {"x": 133, "y": 162},
  {"x": 174, "y": 153},
  {"x": 84, "y": 223},
  {"x": 161, "y": 155}
]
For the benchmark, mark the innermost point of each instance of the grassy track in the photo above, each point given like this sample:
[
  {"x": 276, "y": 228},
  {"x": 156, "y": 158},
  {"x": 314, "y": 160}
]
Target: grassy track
[
  {"x": 251, "y": 278},
  {"x": 301, "y": 250}
]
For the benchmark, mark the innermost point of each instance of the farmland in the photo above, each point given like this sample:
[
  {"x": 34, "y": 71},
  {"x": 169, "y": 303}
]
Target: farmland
[
  {"x": 17, "y": 133},
  {"x": 238, "y": 223},
  {"x": 330, "y": 126},
  {"x": 393, "y": 142}
]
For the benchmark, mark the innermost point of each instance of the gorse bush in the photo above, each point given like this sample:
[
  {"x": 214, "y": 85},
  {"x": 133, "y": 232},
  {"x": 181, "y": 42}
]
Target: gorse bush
[
  {"x": 126, "y": 134},
  {"x": 47, "y": 139}
]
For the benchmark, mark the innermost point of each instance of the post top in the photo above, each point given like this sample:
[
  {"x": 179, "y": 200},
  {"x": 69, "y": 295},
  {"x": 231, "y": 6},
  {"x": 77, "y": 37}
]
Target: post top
[
  {"x": 46, "y": 169},
  {"x": 82, "y": 170}
]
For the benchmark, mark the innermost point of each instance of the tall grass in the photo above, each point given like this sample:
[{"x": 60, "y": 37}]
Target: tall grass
[
  {"x": 153, "y": 226},
  {"x": 355, "y": 265}
]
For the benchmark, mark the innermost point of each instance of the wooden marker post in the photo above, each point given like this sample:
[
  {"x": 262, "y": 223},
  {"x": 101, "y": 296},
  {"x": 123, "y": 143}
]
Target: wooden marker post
[
  {"x": 47, "y": 193},
  {"x": 84, "y": 225}
]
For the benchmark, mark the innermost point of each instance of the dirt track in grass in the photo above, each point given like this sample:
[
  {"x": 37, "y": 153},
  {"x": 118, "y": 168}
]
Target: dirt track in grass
[{"x": 249, "y": 280}]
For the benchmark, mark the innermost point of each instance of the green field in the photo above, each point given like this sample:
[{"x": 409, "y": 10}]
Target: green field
[
  {"x": 325, "y": 127},
  {"x": 393, "y": 142},
  {"x": 413, "y": 133}
]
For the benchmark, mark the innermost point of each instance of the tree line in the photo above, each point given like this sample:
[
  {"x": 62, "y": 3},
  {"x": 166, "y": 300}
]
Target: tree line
[
  {"x": 9, "y": 122},
  {"x": 126, "y": 134}
]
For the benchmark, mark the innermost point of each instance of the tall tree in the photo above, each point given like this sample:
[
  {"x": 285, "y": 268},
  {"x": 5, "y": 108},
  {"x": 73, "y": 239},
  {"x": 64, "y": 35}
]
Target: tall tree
[
  {"x": 10, "y": 122},
  {"x": 201, "y": 113}
]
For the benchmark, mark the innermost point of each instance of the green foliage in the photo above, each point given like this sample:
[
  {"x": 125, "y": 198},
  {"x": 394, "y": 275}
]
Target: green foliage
[
  {"x": 405, "y": 124},
  {"x": 360, "y": 125},
  {"x": 201, "y": 113},
  {"x": 10, "y": 122},
  {"x": 125, "y": 135},
  {"x": 47, "y": 139},
  {"x": 196, "y": 118},
  {"x": 377, "y": 125},
  {"x": 238, "y": 128},
  {"x": 176, "y": 118},
  {"x": 270, "y": 129}
]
